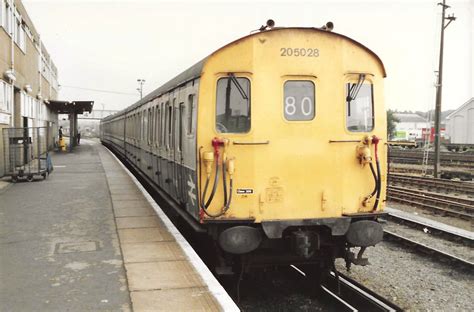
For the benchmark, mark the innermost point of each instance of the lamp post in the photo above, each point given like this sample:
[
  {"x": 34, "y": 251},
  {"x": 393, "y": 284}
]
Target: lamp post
[
  {"x": 141, "y": 82},
  {"x": 439, "y": 89}
]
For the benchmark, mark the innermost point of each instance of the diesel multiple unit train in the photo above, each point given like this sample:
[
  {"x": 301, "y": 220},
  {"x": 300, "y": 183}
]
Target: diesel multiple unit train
[{"x": 274, "y": 145}]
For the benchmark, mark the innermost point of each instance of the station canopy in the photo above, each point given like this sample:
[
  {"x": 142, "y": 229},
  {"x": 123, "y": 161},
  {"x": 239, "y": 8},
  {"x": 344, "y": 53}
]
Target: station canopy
[{"x": 71, "y": 107}]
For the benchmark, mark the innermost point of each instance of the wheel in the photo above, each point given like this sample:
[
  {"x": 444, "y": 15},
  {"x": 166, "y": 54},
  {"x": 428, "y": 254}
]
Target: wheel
[
  {"x": 44, "y": 175},
  {"x": 29, "y": 178},
  {"x": 14, "y": 178}
]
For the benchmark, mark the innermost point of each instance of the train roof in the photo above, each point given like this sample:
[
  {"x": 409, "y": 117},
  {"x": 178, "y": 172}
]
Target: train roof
[{"x": 195, "y": 71}]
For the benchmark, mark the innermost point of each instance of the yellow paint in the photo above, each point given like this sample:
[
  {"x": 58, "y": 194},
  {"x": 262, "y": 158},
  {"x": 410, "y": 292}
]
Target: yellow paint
[{"x": 294, "y": 171}]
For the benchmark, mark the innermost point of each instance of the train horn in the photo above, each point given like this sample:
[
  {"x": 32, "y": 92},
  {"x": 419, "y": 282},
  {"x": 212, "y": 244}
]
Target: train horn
[
  {"x": 329, "y": 26},
  {"x": 270, "y": 24}
]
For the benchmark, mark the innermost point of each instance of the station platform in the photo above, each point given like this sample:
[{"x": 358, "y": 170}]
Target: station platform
[{"x": 90, "y": 238}]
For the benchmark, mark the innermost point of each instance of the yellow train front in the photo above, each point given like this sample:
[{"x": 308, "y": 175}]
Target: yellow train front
[
  {"x": 282, "y": 157},
  {"x": 293, "y": 115}
]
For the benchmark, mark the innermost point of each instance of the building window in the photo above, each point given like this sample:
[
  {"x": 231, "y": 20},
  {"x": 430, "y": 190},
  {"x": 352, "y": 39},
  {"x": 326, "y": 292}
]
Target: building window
[
  {"x": 18, "y": 31},
  {"x": 233, "y": 105},
  {"x": 3, "y": 10},
  {"x": 3, "y": 97},
  {"x": 6, "y": 16}
]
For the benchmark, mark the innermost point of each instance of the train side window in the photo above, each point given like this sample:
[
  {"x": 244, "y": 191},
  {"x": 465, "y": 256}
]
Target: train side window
[
  {"x": 163, "y": 123},
  {"x": 190, "y": 113},
  {"x": 233, "y": 105},
  {"x": 181, "y": 125},
  {"x": 173, "y": 126},
  {"x": 168, "y": 125},
  {"x": 299, "y": 100},
  {"x": 148, "y": 127},
  {"x": 142, "y": 126},
  {"x": 153, "y": 122},
  {"x": 157, "y": 125},
  {"x": 360, "y": 106}
]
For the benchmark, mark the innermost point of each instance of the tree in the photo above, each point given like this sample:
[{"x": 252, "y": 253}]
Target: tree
[{"x": 391, "y": 124}]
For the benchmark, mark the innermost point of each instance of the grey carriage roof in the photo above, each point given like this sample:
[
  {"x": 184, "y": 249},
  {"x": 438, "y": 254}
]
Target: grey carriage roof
[{"x": 195, "y": 71}]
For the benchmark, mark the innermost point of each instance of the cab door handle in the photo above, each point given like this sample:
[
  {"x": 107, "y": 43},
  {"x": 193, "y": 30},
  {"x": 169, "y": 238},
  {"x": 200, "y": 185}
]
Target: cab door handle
[{"x": 251, "y": 142}]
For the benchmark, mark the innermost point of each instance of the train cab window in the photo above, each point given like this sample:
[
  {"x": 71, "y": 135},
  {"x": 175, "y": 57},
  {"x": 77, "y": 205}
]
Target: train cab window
[
  {"x": 359, "y": 106},
  {"x": 298, "y": 100},
  {"x": 233, "y": 105}
]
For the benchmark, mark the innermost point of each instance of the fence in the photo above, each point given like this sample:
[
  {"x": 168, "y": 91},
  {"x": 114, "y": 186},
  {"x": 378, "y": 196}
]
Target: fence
[{"x": 26, "y": 152}]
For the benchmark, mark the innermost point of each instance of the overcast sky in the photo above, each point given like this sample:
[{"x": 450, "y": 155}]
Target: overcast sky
[{"x": 107, "y": 45}]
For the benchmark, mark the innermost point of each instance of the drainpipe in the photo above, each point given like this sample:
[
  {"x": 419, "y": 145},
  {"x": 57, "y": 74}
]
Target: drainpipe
[
  {"x": 12, "y": 67},
  {"x": 40, "y": 44}
]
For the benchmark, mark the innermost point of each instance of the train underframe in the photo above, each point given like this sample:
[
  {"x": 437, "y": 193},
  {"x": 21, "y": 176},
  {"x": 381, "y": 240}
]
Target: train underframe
[{"x": 312, "y": 244}]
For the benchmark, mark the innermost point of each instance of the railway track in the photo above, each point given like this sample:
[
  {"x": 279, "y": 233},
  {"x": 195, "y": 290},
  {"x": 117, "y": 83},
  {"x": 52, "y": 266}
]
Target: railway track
[
  {"x": 446, "y": 157},
  {"x": 353, "y": 296},
  {"x": 431, "y": 251},
  {"x": 435, "y": 229},
  {"x": 446, "y": 186},
  {"x": 444, "y": 163},
  {"x": 437, "y": 203},
  {"x": 346, "y": 294}
]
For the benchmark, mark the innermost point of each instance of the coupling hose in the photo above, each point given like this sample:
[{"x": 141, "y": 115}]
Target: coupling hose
[{"x": 227, "y": 199}]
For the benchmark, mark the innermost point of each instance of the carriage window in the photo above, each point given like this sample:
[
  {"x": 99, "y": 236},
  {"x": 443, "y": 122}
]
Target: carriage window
[
  {"x": 359, "y": 107},
  {"x": 173, "y": 126},
  {"x": 169, "y": 114},
  {"x": 298, "y": 100},
  {"x": 157, "y": 125},
  {"x": 233, "y": 105},
  {"x": 190, "y": 113},
  {"x": 181, "y": 125},
  {"x": 163, "y": 122}
]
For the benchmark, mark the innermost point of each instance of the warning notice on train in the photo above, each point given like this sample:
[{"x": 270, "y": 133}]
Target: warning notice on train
[{"x": 244, "y": 191}]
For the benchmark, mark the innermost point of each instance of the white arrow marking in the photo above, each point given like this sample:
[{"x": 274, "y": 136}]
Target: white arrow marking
[{"x": 192, "y": 187}]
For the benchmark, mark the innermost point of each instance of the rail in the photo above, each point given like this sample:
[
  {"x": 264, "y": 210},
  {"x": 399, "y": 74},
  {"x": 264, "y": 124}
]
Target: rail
[
  {"x": 433, "y": 183},
  {"x": 353, "y": 296},
  {"x": 436, "y": 205},
  {"x": 456, "y": 261}
]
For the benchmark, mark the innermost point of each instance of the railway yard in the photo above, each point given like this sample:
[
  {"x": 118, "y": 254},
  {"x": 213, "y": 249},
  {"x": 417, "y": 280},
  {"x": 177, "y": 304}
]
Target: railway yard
[{"x": 257, "y": 167}]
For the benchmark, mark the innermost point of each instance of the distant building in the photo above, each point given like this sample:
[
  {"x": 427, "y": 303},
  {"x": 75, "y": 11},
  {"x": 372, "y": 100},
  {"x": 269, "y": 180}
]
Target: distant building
[
  {"x": 98, "y": 114},
  {"x": 28, "y": 76},
  {"x": 460, "y": 124},
  {"x": 410, "y": 126},
  {"x": 88, "y": 123}
]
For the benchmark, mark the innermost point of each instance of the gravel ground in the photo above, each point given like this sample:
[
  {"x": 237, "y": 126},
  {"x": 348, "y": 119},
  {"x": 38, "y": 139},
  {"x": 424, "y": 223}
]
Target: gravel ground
[
  {"x": 458, "y": 249},
  {"x": 413, "y": 282},
  {"x": 462, "y": 224}
]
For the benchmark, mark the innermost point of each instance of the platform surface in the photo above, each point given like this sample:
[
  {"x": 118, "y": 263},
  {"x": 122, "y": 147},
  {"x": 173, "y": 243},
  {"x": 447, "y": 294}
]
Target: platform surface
[{"x": 88, "y": 238}]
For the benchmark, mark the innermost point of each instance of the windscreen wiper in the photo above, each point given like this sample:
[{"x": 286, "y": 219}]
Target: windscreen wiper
[
  {"x": 353, "y": 92},
  {"x": 239, "y": 86}
]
